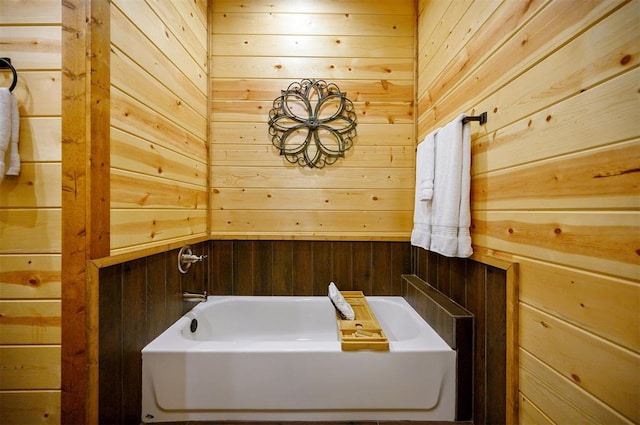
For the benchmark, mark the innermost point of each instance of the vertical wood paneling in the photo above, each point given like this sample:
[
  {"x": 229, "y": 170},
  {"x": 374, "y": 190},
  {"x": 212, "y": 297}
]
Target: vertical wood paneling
[
  {"x": 306, "y": 267},
  {"x": 30, "y": 218},
  {"x": 550, "y": 183},
  {"x": 367, "y": 49}
]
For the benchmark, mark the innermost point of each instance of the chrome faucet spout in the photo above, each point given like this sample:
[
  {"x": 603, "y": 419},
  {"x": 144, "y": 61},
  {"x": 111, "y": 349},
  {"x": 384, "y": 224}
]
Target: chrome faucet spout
[{"x": 194, "y": 296}]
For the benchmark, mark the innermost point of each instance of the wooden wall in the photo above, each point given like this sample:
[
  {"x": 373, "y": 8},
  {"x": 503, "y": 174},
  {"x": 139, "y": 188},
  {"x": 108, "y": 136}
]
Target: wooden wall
[
  {"x": 554, "y": 183},
  {"x": 159, "y": 122},
  {"x": 30, "y": 241},
  {"x": 257, "y": 50}
]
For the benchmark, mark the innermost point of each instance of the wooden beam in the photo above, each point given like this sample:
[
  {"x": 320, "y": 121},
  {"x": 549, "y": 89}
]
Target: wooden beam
[{"x": 85, "y": 195}]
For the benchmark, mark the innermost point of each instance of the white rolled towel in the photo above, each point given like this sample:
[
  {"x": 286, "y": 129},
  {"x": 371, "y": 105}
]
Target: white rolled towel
[{"x": 340, "y": 303}]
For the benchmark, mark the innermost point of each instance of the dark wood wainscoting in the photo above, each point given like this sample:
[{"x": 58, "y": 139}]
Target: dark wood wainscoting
[
  {"x": 138, "y": 299},
  {"x": 482, "y": 290}
]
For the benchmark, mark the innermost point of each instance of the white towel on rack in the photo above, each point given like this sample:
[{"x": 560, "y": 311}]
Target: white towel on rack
[
  {"x": 9, "y": 134},
  {"x": 441, "y": 224},
  {"x": 450, "y": 206},
  {"x": 425, "y": 169}
]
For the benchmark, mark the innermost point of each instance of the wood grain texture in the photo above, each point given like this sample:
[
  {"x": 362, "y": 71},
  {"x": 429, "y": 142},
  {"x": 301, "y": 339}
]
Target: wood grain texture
[
  {"x": 30, "y": 235},
  {"x": 560, "y": 83},
  {"x": 26, "y": 407},
  {"x": 30, "y": 276},
  {"x": 556, "y": 394},
  {"x": 33, "y": 47},
  {"x": 30, "y": 367},
  {"x": 33, "y": 12},
  {"x": 578, "y": 357},
  {"x": 368, "y": 53},
  {"x": 85, "y": 191},
  {"x": 30, "y": 322},
  {"x": 159, "y": 123}
]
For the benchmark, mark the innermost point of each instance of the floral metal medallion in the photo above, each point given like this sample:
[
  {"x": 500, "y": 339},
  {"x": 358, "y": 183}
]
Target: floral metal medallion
[{"x": 312, "y": 123}]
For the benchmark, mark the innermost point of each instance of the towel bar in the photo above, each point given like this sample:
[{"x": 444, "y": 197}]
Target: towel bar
[
  {"x": 482, "y": 118},
  {"x": 5, "y": 63}
]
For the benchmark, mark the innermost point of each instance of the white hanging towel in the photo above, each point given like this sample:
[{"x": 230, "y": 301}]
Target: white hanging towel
[
  {"x": 441, "y": 224},
  {"x": 425, "y": 168},
  {"x": 9, "y": 133}
]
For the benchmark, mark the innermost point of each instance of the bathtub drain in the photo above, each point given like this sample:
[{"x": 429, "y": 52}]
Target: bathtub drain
[{"x": 194, "y": 325}]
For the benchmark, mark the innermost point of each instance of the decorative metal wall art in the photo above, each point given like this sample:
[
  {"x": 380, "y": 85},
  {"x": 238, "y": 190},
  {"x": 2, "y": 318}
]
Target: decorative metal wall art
[{"x": 312, "y": 123}]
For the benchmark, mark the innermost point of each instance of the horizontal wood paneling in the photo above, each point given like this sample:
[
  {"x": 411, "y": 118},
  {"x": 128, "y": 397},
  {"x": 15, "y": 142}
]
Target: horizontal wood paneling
[
  {"x": 30, "y": 367},
  {"x": 579, "y": 356},
  {"x": 129, "y": 152},
  {"x": 328, "y": 68},
  {"x": 22, "y": 407},
  {"x": 301, "y": 221},
  {"x": 131, "y": 228},
  {"x": 604, "y": 177},
  {"x": 603, "y": 305},
  {"x": 605, "y": 242},
  {"x": 267, "y": 155},
  {"x": 160, "y": 32},
  {"x": 250, "y": 111},
  {"x": 32, "y": 11},
  {"x": 159, "y": 123},
  {"x": 32, "y": 276},
  {"x": 30, "y": 218},
  {"x": 556, "y": 394},
  {"x": 30, "y": 322},
  {"x": 383, "y": 7},
  {"x": 302, "y": 199},
  {"x": 29, "y": 190},
  {"x": 129, "y": 190},
  {"x": 270, "y": 45},
  {"x": 294, "y": 176},
  {"x": 40, "y": 138},
  {"x": 565, "y": 127},
  {"x": 132, "y": 116},
  {"x": 33, "y": 47},
  {"x": 136, "y": 83},
  {"x": 30, "y": 82},
  {"x": 152, "y": 59},
  {"x": 388, "y": 90},
  {"x": 257, "y": 51},
  {"x": 253, "y": 133},
  {"x": 554, "y": 182},
  {"x": 225, "y": 20},
  {"x": 20, "y": 228}
]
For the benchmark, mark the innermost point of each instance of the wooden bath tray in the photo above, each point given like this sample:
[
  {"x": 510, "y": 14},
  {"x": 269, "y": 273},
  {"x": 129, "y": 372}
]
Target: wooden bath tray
[{"x": 363, "y": 333}]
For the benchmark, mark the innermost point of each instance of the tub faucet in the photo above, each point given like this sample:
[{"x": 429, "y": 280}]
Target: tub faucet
[{"x": 194, "y": 296}]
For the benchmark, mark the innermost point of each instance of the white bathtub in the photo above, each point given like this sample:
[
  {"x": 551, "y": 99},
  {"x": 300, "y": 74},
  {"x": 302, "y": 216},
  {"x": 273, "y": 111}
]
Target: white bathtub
[{"x": 279, "y": 358}]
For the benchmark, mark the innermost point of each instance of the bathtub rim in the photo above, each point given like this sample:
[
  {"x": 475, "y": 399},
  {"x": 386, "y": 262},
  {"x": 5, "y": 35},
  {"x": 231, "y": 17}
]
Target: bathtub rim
[{"x": 166, "y": 341}]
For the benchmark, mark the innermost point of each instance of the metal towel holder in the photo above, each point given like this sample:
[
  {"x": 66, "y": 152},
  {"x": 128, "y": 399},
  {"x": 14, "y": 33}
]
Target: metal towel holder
[{"x": 5, "y": 63}]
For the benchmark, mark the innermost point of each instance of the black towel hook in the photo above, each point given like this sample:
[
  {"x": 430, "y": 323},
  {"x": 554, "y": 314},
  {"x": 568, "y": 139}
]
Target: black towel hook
[
  {"x": 482, "y": 118},
  {"x": 5, "y": 63}
]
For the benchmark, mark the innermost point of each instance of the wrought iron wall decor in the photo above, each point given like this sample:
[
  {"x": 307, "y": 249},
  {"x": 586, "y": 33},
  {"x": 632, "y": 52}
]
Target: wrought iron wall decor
[{"x": 312, "y": 123}]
